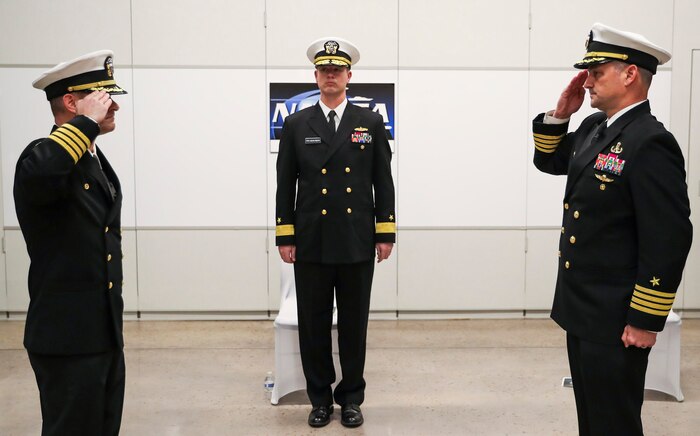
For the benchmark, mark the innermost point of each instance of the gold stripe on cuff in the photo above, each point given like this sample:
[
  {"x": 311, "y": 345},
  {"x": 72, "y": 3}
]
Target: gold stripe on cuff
[
  {"x": 285, "y": 230},
  {"x": 653, "y": 292},
  {"x": 385, "y": 228},
  {"x": 67, "y": 147},
  {"x": 649, "y": 311}
]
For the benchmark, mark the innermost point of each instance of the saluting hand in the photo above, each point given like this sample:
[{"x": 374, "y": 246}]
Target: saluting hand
[
  {"x": 637, "y": 337},
  {"x": 571, "y": 98},
  {"x": 95, "y": 105}
]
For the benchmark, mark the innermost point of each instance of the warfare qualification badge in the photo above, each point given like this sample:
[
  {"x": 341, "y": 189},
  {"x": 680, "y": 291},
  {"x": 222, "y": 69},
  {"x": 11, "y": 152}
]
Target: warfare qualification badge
[
  {"x": 331, "y": 47},
  {"x": 617, "y": 148}
]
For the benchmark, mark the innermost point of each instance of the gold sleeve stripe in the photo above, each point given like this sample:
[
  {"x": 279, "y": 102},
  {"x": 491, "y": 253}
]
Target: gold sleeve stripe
[
  {"x": 548, "y": 141},
  {"x": 654, "y": 299},
  {"x": 548, "y": 137},
  {"x": 649, "y": 311},
  {"x": 285, "y": 230},
  {"x": 67, "y": 147},
  {"x": 386, "y": 228},
  {"x": 653, "y": 292},
  {"x": 651, "y": 305},
  {"x": 63, "y": 135},
  {"x": 547, "y": 146},
  {"x": 80, "y": 134},
  {"x": 81, "y": 144},
  {"x": 545, "y": 150}
]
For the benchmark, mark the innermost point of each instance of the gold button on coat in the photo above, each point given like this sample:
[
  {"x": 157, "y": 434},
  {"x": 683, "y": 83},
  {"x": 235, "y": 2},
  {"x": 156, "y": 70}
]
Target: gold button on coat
[
  {"x": 362, "y": 147},
  {"x": 566, "y": 206},
  {"x": 349, "y": 210},
  {"x": 111, "y": 285},
  {"x": 567, "y": 265},
  {"x": 562, "y": 230},
  {"x": 324, "y": 211},
  {"x": 576, "y": 215},
  {"x": 324, "y": 171},
  {"x": 347, "y": 169},
  {"x": 109, "y": 257},
  {"x": 86, "y": 186},
  {"x": 572, "y": 239},
  {"x": 602, "y": 186},
  {"x": 324, "y": 191},
  {"x": 348, "y": 190},
  {"x": 106, "y": 229}
]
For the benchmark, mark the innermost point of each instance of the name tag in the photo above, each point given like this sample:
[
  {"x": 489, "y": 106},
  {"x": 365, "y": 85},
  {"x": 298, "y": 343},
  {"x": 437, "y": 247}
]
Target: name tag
[{"x": 312, "y": 140}]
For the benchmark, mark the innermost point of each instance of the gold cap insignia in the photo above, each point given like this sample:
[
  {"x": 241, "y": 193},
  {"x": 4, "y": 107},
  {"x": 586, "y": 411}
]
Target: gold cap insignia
[
  {"x": 109, "y": 66},
  {"x": 331, "y": 47}
]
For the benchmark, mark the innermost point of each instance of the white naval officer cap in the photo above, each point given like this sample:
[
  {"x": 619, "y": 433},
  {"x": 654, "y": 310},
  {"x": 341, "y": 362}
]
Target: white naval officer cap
[
  {"x": 605, "y": 44},
  {"x": 332, "y": 50},
  {"x": 91, "y": 72}
]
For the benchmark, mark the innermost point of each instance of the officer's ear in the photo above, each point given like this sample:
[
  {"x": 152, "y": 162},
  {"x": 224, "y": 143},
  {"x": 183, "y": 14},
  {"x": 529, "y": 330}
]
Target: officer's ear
[
  {"x": 631, "y": 74},
  {"x": 69, "y": 102}
]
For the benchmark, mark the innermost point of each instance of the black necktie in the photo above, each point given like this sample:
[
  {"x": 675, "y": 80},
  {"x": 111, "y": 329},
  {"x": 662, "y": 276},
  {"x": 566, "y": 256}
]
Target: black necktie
[
  {"x": 331, "y": 121},
  {"x": 110, "y": 185},
  {"x": 600, "y": 130}
]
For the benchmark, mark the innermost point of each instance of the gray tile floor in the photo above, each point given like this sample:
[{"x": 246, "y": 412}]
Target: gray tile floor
[{"x": 466, "y": 377}]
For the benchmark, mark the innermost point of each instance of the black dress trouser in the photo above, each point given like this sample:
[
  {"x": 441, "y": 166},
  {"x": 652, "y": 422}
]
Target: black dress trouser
[
  {"x": 608, "y": 386},
  {"x": 315, "y": 283},
  {"x": 80, "y": 394}
]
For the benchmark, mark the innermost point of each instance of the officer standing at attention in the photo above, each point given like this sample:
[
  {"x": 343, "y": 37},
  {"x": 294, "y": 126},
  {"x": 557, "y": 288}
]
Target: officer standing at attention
[
  {"x": 626, "y": 231},
  {"x": 68, "y": 202},
  {"x": 331, "y": 225}
]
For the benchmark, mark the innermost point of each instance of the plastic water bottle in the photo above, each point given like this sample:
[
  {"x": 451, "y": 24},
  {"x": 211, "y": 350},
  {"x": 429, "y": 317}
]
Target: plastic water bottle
[{"x": 268, "y": 384}]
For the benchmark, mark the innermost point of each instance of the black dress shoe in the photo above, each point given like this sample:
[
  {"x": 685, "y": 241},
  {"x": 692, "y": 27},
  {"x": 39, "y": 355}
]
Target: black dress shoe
[
  {"x": 351, "y": 415},
  {"x": 320, "y": 416}
]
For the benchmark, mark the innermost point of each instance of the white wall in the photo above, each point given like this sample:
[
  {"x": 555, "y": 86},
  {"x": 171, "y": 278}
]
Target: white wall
[{"x": 478, "y": 224}]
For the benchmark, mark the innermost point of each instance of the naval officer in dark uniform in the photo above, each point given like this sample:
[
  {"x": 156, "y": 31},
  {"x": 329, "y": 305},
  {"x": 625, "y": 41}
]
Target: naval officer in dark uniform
[
  {"x": 626, "y": 231},
  {"x": 335, "y": 209},
  {"x": 68, "y": 202}
]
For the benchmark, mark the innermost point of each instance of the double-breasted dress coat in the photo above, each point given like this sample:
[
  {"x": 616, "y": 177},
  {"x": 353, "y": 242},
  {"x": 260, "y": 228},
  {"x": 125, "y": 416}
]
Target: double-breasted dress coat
[
  {"x": 335, "y": 192},
  {"x": 71, "y": 224},
  {"x": 625, "y": 231}
]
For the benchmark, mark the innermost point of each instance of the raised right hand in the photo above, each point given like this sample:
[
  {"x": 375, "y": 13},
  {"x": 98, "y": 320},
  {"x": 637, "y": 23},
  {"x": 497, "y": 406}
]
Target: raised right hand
[
  {"x": 571, "y": 98},
  {"x": 95, "y": 105}
]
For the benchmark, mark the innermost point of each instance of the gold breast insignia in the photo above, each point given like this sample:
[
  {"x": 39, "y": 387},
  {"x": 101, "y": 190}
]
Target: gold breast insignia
[
  {"x": 604, "y": 178},
  {"x": 617, "y": 148}
]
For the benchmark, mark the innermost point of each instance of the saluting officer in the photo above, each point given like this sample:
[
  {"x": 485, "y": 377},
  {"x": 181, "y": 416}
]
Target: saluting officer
[
  {"x": 626, "y": 231},
  {"x": 335, "y": 208},
  {"x": 68, "y": 202}
]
